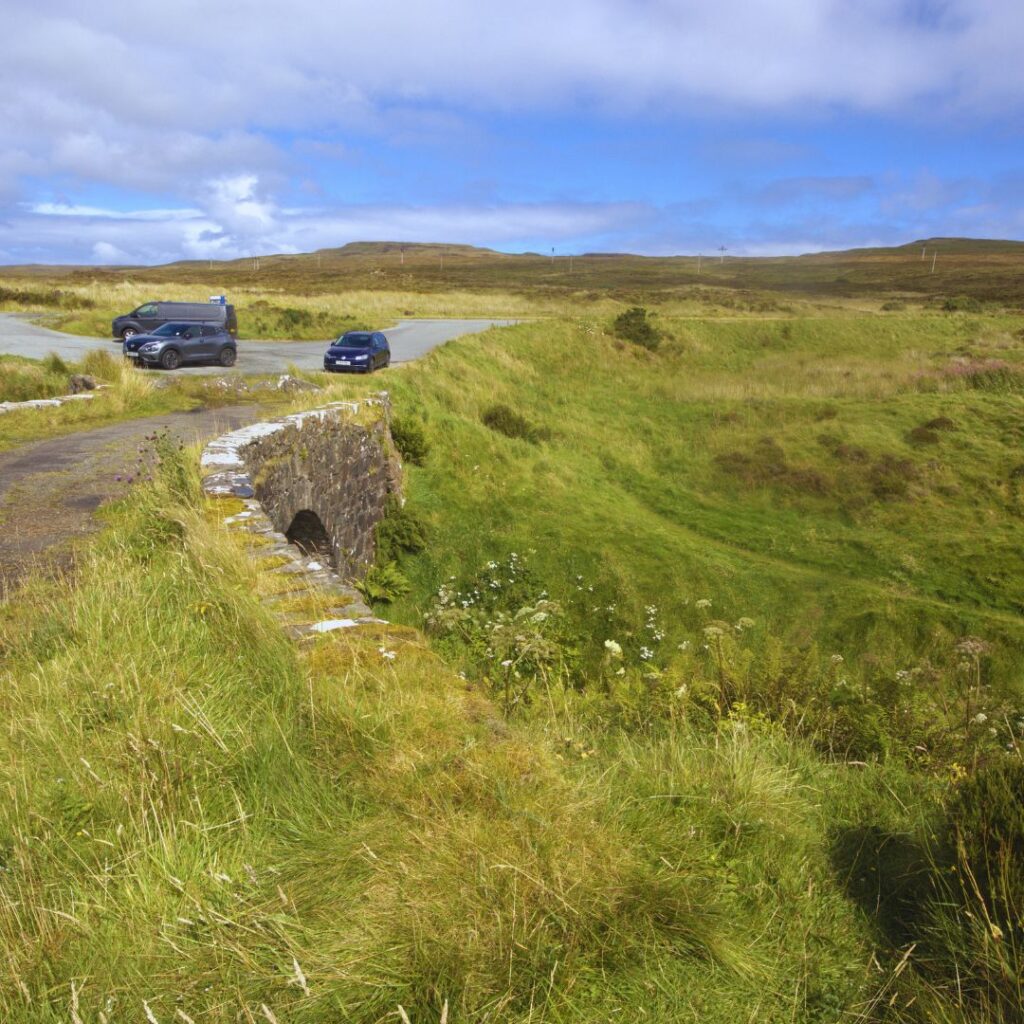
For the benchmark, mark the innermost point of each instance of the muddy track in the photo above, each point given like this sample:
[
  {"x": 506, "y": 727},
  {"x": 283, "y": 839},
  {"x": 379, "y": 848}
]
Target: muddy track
[{"x": 50, "y": 490}]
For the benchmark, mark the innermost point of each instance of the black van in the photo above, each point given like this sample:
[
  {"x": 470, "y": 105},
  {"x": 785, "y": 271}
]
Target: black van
[{"x": 151, "y": 315}]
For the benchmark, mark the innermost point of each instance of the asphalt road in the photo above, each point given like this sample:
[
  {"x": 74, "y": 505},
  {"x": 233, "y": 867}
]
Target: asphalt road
[{"x": 409, "y": 339}]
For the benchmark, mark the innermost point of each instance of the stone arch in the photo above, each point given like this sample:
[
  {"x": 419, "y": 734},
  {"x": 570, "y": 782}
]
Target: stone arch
[{"x": 308, "y": 534}]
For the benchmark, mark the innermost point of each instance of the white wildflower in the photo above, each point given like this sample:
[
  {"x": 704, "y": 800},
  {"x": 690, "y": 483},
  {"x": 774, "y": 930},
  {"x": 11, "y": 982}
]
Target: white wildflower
[{"x": 613, "y": 648}]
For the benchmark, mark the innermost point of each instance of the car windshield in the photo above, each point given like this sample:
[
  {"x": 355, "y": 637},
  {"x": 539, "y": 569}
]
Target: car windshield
[
  {"x": 353, "y": 341},
  {"x": 171, "y": 330}
]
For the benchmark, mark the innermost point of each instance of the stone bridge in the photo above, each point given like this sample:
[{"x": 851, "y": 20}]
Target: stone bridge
[{"x": 323, "y": 478}]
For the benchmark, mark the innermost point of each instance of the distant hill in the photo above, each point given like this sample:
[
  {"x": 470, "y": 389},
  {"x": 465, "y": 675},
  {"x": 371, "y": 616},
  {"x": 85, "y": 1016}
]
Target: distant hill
[{"x": 987, "y": 269}]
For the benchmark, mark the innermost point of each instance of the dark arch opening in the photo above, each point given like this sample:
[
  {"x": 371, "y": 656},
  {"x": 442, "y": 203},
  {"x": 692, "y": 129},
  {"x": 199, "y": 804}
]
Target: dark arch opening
[{"x": 307, "y": 533}]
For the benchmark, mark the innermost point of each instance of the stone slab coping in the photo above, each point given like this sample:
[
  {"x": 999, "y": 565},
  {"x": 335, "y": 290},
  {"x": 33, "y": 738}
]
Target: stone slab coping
[{"x": 44, "y": 403}]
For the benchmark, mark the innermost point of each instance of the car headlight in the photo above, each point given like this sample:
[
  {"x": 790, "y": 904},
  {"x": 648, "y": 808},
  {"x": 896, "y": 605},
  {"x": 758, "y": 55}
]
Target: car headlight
[
  {"x": 359, "y": 359},
  {"x": 150, "y": 346}
]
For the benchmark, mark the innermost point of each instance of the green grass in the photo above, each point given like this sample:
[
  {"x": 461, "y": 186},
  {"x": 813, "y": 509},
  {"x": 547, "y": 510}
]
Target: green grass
[
  {"x": 386, "y": 280},
  {"x": 24, "y": 379},
  {"x": 767, "y": 469},
  {"x": 129, "y": 393},
  {"x": 802, "y": 538},
  {"x": 209, "y": 827}
]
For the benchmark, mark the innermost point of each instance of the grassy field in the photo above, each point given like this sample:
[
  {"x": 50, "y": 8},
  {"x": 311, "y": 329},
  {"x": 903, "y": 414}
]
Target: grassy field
[
  {"x": 703, "y": 699},
  {"x": 318, "y": 295},
  {"x": 855, "y": 482},
  {"x": 808, "y": 528},
  {"x": 210, "y": 831},
  {"x": 125, "y": 393}
]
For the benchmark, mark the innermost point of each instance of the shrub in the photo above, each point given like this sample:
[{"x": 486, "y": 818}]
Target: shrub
[
  {"x": 890, "y": 477},
  {"x": 893, "y": 306},
  {"x": 384, "y": 583},
  {"x": 44, "y": 299},
  {"x": 292, "y": 318},
  {"x": 401, "y": 531},
  {"x": 504, "y": 420},
  {"x": 633, "y": 325},
  {"x": 962, "y": 304},
  {"x": 922, "y": 435},
  {"x": 410, "y": 439},
  {"x": 839, "y": 449}
]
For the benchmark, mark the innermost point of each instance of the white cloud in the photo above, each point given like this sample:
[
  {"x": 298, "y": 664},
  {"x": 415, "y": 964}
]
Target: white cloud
[
  {"x": 235, "y": 222},
  {"x": 104, "y": 252},
  {"x": 217, "y": 111}
]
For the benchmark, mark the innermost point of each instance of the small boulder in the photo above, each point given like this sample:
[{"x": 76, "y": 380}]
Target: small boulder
[
  {"x": 286, "y": 382},
  {"x": 79, "y": 382}
]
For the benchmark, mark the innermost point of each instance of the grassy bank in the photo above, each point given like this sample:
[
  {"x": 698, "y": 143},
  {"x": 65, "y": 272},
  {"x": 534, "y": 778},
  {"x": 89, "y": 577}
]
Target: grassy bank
[
  {"x": 706, "y": 706},
  {"x": 197, "y": 829},
  {"x": 850, "y": 484},
  {"x": 125, "y": 392},
  {"x": 809, "y": 529}
]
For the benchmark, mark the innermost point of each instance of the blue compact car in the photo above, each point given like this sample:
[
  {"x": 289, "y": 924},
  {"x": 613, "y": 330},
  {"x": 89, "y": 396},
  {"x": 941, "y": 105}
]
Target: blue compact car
[{"x": 358, "y": 352}]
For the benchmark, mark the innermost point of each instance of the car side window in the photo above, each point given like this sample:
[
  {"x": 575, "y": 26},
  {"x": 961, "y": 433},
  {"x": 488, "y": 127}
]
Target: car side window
[
  {"x": 148, "y": 310},
  {"x": 189, "y": 332}
]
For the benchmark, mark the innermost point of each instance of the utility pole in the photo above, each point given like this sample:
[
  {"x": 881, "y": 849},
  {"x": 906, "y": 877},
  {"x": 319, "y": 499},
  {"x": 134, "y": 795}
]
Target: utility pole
[
  {"x": 924, "y": 249},
  {"x": 570, "y": 263},
  {"x": 699, "y": 256},
  {"x": 935, "y": 256},
  {"x": 402, "y": 250},
  {"x": 722, "y": 250}
]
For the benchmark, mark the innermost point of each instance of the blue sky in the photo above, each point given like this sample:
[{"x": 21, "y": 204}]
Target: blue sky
[{"x": 181, "y": 129}]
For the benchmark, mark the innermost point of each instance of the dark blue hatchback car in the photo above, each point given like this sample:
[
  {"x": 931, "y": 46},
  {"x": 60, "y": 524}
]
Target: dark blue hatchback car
[{"x": 358, "y": 352}]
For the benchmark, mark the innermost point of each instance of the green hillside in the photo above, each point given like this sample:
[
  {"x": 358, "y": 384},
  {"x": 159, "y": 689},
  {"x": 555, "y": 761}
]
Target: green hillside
[{"x": 702, "y": 699}]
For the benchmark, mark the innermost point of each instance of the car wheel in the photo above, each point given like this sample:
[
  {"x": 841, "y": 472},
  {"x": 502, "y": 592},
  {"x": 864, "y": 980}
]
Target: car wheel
[
  {"x": 387, "y": 361},
  {"x": 227, "y": 356},
  {"x": 128, "y": 332},
  {"x": 171, "y": 359}
]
